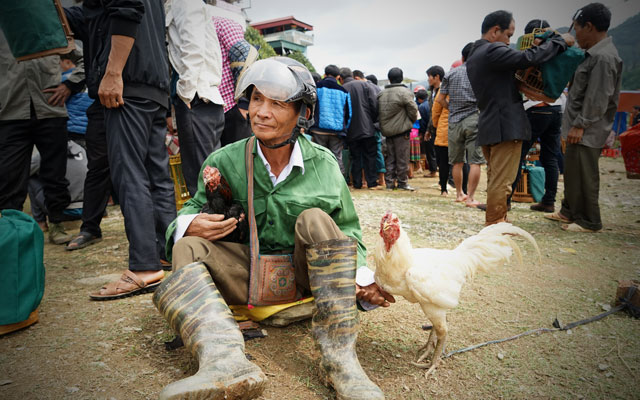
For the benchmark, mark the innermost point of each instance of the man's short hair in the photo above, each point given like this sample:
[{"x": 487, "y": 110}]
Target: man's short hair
[
  {"x": 345, "y": 72},
  {"x": 422, "y": 94},
  {"x": 596, "y": 13},
  {"x": 501, "y": 18},
  {"x": 466, "y": 50},
  {"x": 436, "y": 70},
  {"x": 536, "y": 23},
  {"x": 358, "y": 74},
  {"x": 331, "y": 70},
  {"x": 316, "y": 77},
  {"x": 372, "y": 78},
  {"x": 395, "y": 75}
]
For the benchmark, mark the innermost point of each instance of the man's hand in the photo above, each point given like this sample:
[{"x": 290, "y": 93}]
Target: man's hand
[
  {"x": 569, "y": 40},
  {"x": 575, "y": 135},
  {"x": 427, "y": 136},
  {"x": 110, "y": 90},
  {"x": 375, "y": 295},
  {"x": 60, "y": 95},
  {"x": 111, "y": 86},
  {"x": 211, "y": 226}
]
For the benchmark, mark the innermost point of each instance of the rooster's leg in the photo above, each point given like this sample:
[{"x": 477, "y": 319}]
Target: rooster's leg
[
  {"x": 425, "y": 350},
  {"x": 440, "y": 328}
]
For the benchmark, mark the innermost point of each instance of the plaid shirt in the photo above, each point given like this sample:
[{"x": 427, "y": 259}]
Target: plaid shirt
[
  {"x": 462, "y": 100},
  {"x": 229, "y": 33}
]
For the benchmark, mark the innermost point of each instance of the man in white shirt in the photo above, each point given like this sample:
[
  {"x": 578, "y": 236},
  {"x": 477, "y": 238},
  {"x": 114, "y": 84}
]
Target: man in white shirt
[{"x": 195, "y": 56}]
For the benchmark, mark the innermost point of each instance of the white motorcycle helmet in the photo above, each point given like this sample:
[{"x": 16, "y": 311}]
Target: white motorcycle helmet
[{"x": 282, "y": 79}]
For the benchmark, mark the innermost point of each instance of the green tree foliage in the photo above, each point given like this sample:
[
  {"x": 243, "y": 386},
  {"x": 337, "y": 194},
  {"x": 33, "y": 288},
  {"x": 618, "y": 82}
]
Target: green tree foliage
[
  {"x": 302, "y": 59},
  {"x": 254, "y": 37}
]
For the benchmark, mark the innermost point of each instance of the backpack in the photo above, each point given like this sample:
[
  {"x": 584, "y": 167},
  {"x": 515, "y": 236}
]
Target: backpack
[{"x": 21, "y": 268}]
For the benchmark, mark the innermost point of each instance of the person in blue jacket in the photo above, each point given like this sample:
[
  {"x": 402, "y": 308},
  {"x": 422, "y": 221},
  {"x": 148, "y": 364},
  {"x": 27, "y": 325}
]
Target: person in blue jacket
[{"x": 333, "y": 114}]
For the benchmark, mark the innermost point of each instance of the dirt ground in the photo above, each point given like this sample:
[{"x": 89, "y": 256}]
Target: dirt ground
[{"x": 115, "y": 350}]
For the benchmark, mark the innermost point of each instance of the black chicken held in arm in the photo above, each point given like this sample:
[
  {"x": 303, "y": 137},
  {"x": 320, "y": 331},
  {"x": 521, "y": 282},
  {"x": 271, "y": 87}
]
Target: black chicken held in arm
[{"x": 219, "y": 201}]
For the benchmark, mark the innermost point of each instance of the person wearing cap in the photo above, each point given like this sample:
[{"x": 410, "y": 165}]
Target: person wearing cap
[
  {"x": 303, "y": 208},
  {"x": 196, "y": 61}
]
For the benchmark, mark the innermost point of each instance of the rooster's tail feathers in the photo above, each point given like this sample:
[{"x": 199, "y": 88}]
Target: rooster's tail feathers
[{"x": 493, "y": 246}]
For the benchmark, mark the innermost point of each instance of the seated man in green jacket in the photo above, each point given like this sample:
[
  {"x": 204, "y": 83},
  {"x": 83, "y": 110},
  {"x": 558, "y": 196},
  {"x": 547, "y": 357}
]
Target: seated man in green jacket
[{"x": 302, "y": 207}]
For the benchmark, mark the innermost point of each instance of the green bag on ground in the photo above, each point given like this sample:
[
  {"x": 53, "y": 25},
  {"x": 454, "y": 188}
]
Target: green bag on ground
[
  {"x": 536, "y": 182},
  {"x": 21, "y": 266}
]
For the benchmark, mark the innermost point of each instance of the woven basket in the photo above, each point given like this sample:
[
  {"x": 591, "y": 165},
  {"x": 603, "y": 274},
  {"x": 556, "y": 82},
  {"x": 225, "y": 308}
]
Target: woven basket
[{"x": 530, "y": 81}]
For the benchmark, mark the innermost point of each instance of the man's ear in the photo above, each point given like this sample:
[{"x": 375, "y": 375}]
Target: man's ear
[{"x": 308, "y": 113}]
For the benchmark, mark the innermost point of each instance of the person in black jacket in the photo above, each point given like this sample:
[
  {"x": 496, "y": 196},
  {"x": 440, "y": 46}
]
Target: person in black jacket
[
  {"x": 127, "y": 69},
  {"x": 361, "y": 134},
  {"x": 503, "y": 124}
]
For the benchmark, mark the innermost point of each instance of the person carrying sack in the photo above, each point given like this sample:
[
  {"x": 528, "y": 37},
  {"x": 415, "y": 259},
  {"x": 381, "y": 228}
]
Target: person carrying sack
[{"x": 300, "y": 213}]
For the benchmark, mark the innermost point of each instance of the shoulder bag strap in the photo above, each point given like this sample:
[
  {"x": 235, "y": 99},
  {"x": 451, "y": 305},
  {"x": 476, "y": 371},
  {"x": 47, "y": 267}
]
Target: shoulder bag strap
[{"x": 254, "y": 247}]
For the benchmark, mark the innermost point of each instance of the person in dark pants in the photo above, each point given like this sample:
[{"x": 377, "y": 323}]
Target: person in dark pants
[
  {"x": 196, "y": 59},
  {"x": 361, "y": 134},
  {"x": 132, "y": 82},
  {"x": 97, "y": 184},
  {"x": 397, "y": 112},
  {"x": 32, "y": 112},
  {"x": 546, "y": 121},
  {"x": 591, "y": 107}
]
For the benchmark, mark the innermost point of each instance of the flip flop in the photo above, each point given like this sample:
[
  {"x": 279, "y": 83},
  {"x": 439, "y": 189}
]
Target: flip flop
[
  {"x": 81, "y": 241},
  {"x": 577, "y": 228},
  {"x": 556, "y": 216},
  {"x": 128, "y": 285}
]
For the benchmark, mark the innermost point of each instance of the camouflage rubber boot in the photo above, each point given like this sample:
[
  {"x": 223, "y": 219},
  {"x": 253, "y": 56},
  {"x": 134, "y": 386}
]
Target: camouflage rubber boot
[
  {"x": 191, "y": 303},
  {"x": 332, "y": 271}
]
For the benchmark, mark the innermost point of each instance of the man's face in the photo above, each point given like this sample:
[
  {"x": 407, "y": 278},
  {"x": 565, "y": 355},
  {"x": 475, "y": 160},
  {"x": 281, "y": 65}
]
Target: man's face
[
  {"x": 271, "y": 120},
  {"x": 504, "y": 35},
  {"x": 431, "y": 80},
  {"x": 583, "y": 34}
]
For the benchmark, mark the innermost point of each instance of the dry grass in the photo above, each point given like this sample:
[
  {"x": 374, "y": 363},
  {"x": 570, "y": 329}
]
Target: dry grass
[{"x": 102, "y": 350}]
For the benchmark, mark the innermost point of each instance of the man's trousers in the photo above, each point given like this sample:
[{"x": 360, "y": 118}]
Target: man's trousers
[
  {"x": 139, "y": 164},
  {"x": 229, "y": 263},
  {"x": 582, "y": 186},
  {"x": 199, "y": 130},
  {"x": 363, "y": 153},
  {"x": 397, "y": 161},
  {"x": 17, "y": 138},
  {"x": 502, "y": 166},
  {"x": 97, "y": 184}
]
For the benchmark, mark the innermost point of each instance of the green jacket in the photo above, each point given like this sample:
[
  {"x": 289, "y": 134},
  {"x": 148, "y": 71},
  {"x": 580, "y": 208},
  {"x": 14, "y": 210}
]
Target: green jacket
[
  {"x": 397, "y": 110},
  {"x": 276, "y": 208}
]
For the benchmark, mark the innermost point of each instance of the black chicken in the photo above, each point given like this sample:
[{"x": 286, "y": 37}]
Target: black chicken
[{"x": 219, "y": 201}]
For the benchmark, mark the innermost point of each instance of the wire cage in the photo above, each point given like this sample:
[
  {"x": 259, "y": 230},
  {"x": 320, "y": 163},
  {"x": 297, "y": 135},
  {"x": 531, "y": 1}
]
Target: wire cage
[
  {"x": 179, "y": 184},
  {"x": 530, "y": 81}
]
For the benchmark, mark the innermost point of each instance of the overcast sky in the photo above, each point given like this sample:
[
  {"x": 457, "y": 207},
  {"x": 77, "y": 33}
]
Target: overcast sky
[{"x": 376, "y": 35}]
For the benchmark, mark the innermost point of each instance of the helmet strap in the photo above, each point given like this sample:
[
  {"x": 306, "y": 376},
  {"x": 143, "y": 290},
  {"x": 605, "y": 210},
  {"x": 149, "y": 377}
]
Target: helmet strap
[{"x": 301, "y": 126}]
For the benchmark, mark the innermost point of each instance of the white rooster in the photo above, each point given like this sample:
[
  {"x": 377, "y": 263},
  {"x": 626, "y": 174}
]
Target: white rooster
[{"x": 434, "y": 277}]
